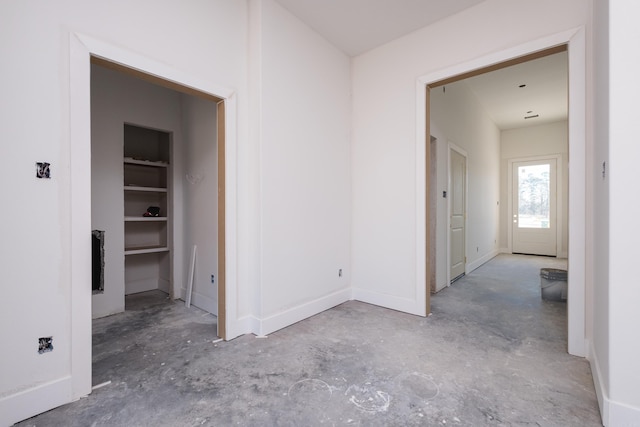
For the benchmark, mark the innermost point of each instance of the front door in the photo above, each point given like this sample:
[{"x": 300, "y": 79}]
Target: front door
[
  {"x": 534, "y": 207},
  {"x": 457, "y": 190}
]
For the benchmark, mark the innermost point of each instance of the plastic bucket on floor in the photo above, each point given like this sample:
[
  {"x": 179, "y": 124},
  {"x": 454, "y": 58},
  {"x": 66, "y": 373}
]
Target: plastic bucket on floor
[{"x": 553, "y": 284}]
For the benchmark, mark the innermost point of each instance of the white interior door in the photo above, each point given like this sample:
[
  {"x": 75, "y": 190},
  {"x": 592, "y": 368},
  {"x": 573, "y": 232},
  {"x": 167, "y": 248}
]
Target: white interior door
[
  {"x": 457, "y": 192},
  {"x": 534, "y": 226}
]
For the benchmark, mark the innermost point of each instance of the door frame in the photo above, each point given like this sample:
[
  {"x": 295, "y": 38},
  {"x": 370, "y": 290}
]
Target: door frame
[
  {"x": 559, "y": 196},
  {"x": 463, "y": 153},
  {"x": 574, "y": 41},
  {"x": 81, "y": 50},
  {"x": 220, "y": 190}
]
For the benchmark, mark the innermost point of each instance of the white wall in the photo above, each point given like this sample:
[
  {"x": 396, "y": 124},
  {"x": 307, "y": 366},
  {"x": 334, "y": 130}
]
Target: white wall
[
  {"x": 457, "y": 117},
  {"x": 37, "y": 215},
  {"x": 293, "y": 70},
  {"x": 598, "y": 254},
  {"x": 200, "y": 208},
  {"x": 118, "y": 99},
  {"x": 624, "y": 292},
  {"x": 532, "y": 141},
  {"x": 304, "y": 112},
  {"x": 384, "y": 130}
]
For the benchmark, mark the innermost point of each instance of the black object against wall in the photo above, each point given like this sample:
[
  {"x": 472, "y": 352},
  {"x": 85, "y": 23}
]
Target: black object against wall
[{"x": 97, "y": 261}]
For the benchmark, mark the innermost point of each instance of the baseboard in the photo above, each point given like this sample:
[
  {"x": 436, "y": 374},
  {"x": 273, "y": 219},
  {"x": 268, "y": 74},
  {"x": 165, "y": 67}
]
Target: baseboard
[
  {"x": 142, "y": 285},
  {"x": 614, "y": 414},
  {"x": 484, "y": 259},
  {"x": 164, "y": 285},
  {"x": 621, "y": 415},
  {"x": 250, "y": 325},
  {"x": 406, "y": 305},
  {"x": 440, "y": 287},
  {"x": 563, "y": 254},
  {"x": 205, "y": 303},
  {"x": 603, "y": 401},
  {"x": 34, "y": 401},
  {"x": 242, "y": 326},
  {"x": 295, "y": 314}
]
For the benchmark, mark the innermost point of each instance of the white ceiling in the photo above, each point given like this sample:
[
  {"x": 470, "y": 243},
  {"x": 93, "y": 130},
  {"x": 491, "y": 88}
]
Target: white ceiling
[
  {"x": 545, "y": 93},
  {"x": 356, "y": 26}
]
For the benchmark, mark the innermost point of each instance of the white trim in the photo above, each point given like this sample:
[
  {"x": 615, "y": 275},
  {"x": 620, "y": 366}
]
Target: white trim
[
  {"x": 81, "y": 48},
  {"x": 482, "y": 260},
  {"x": 233, "y": 324},
  {"x": 406, "y": 305},
  {"x": 136, "y": 61},
  {"x": 576, "y": 40},
  {"x": 251, "y": 324},
  {"x": 613, "y": 413},
  {"x": 149, "y": 66},
  {"x": 622, "y": 415},
  {"x": 303, "y": 311},
  {"x": 559, "y": 179},
  {"x": 577, "y": 194},
  {"x": 601, "y": 394},
  {"x": 80, "y": 193},
  {"x": 204, "y": 302},
  {"x": 36, "y": 400},
  {"x": 422, "y": 286}
]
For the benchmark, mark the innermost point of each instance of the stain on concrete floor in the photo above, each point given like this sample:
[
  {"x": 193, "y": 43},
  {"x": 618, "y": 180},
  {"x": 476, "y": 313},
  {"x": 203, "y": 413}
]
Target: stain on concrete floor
[{"x": 492, "y": 353}]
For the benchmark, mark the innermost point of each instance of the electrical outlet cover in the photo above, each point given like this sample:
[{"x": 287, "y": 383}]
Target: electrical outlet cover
[
  {"x": 45, "y": 344},
  {"x": 43, "y": 170}
]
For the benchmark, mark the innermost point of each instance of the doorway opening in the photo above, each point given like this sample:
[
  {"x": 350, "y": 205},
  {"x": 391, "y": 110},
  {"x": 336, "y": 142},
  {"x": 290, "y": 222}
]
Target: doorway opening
[
  {"x": 164, "y": 144},
  {"x": 83, "y": 50},
  {"x": 574, "y": 46},
  {"x": 157, "y": 154}
]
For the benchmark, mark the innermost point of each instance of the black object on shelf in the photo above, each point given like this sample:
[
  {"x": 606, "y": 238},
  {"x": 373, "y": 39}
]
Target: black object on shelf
[{"x": 152, "y": 211}]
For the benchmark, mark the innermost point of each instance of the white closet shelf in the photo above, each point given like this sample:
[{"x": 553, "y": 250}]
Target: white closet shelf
[
  {"x": 133, "y": 161},
  {"x": 148, "y": 189},
  {"x": 145, "y": 218},
  {"x": 145, "y": 250}
]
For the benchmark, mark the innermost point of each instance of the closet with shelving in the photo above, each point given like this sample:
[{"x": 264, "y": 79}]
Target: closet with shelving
[
  {"x": 154, "y": 191},
  {"x": 147, "y": 203}
]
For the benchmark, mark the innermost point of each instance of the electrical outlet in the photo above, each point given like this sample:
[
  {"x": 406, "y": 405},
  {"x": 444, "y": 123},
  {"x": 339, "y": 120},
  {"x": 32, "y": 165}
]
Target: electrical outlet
[
  {"x": 45, "y": 344},
  {"x": 43, "y": 170},
  {"x": 340, "y": 273},
  {"x": 213, "y": 279}
]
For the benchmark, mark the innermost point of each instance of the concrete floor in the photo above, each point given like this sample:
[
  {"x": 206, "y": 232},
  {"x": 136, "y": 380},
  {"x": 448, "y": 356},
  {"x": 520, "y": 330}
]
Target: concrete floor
[{"x": 492, "y": 353}]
